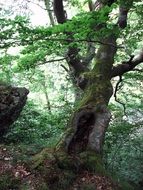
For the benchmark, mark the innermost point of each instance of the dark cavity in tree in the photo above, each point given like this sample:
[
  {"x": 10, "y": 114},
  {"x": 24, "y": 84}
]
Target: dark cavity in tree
[{"x": 85, "y": 124}]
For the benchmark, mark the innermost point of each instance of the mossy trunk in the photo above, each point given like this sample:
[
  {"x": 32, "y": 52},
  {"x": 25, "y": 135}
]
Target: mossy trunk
[{"x": 91, "y": 119}]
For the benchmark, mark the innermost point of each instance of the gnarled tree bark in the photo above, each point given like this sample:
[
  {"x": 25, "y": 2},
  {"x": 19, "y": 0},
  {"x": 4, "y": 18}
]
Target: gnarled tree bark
[{"x": 91, "y": 119}]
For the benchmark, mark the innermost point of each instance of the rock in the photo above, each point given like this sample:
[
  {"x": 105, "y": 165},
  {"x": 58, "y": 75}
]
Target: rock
[{"x": 12, "y": 101}]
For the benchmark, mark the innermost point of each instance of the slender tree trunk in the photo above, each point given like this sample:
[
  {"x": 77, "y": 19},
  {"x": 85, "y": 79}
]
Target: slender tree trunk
[
  {"x": 48, "y": 8},
  {"x": 46, "y": 96}
]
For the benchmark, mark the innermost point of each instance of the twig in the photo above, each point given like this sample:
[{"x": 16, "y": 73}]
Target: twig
[
  {"x": 139, "y": 70},
  {"x": 50, "y": 61},
  {"x": 83, "y": 40},
  {"x": 36, "y": 4},
  {"x": 117, "y": 88},
  {"x": 65, "y": 68}
]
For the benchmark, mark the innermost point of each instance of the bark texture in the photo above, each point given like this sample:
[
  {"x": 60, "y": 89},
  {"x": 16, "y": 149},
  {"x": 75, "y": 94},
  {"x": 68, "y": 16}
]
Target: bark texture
[
  {"x": 92, "y": 117},
  {"x": 12, "y": 100}
]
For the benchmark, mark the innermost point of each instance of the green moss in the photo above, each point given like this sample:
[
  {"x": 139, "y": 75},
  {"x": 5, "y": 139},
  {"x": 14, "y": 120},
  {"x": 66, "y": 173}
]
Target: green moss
[
  {"x": 60, "y": 146},
  {"x": 67, "y": 162},
  {"x": 38, "y": 159},
  {"x": 92, "y": 162},
  {"x": 99, "y": 91}
]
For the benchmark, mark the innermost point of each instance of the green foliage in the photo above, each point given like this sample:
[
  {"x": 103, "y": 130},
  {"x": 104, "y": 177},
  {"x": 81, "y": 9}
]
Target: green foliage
[
  {"x": 8, "y": 181},
  {"x": 31, "y": 60},
  {"x": 123, "y": 150},
  {"x": 124, "y": 139},
  {"x": 10, "y": 27},
  {"x": 43, "y": 41},
  {"x": 35, "y": 126},
  {"x": 6, "y": 72},
  {"x": 76, "y": 3},
  {"x": 37, "y": 45}
]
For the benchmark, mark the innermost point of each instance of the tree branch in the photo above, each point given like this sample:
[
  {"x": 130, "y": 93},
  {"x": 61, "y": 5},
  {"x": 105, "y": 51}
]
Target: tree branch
[
  {"x": 90, "y": 5},
  {"x": 50, "y": 61},
  {"x": 127, "y": 66},
  {"x": 123, "y": 13},
  {"x": 89, "y": 55},
  {"x": 138, "y": 70},
  {"x": 26, "y": 42},
  {"x": 73, "y": 59},
  {"x": 36, "y": 4},
  {"x": 117, "y": 88},
  {"x": 65, "y": 68}
]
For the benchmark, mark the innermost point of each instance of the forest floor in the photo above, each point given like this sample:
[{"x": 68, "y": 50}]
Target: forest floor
[{"x": 16, "y": 173}]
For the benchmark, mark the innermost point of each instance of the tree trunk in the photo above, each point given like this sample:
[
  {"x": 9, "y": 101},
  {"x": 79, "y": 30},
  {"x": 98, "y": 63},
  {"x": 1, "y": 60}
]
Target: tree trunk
[
  {"x": 91, "y": 119},
  {"x": 89, "y": 122},
  {"x": 43, "y": 83},
  {"x": 48, "y": 8}
]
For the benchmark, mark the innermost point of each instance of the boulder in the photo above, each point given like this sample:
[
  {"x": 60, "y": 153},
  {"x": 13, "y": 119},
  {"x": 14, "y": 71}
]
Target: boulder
[{"x": 12, "y": 101}]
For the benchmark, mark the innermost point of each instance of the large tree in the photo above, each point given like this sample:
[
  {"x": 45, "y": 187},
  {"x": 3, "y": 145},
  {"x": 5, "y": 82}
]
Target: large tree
[
  {"x": 90, "y": 44},
  {"x": 91, "y": 118}
]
